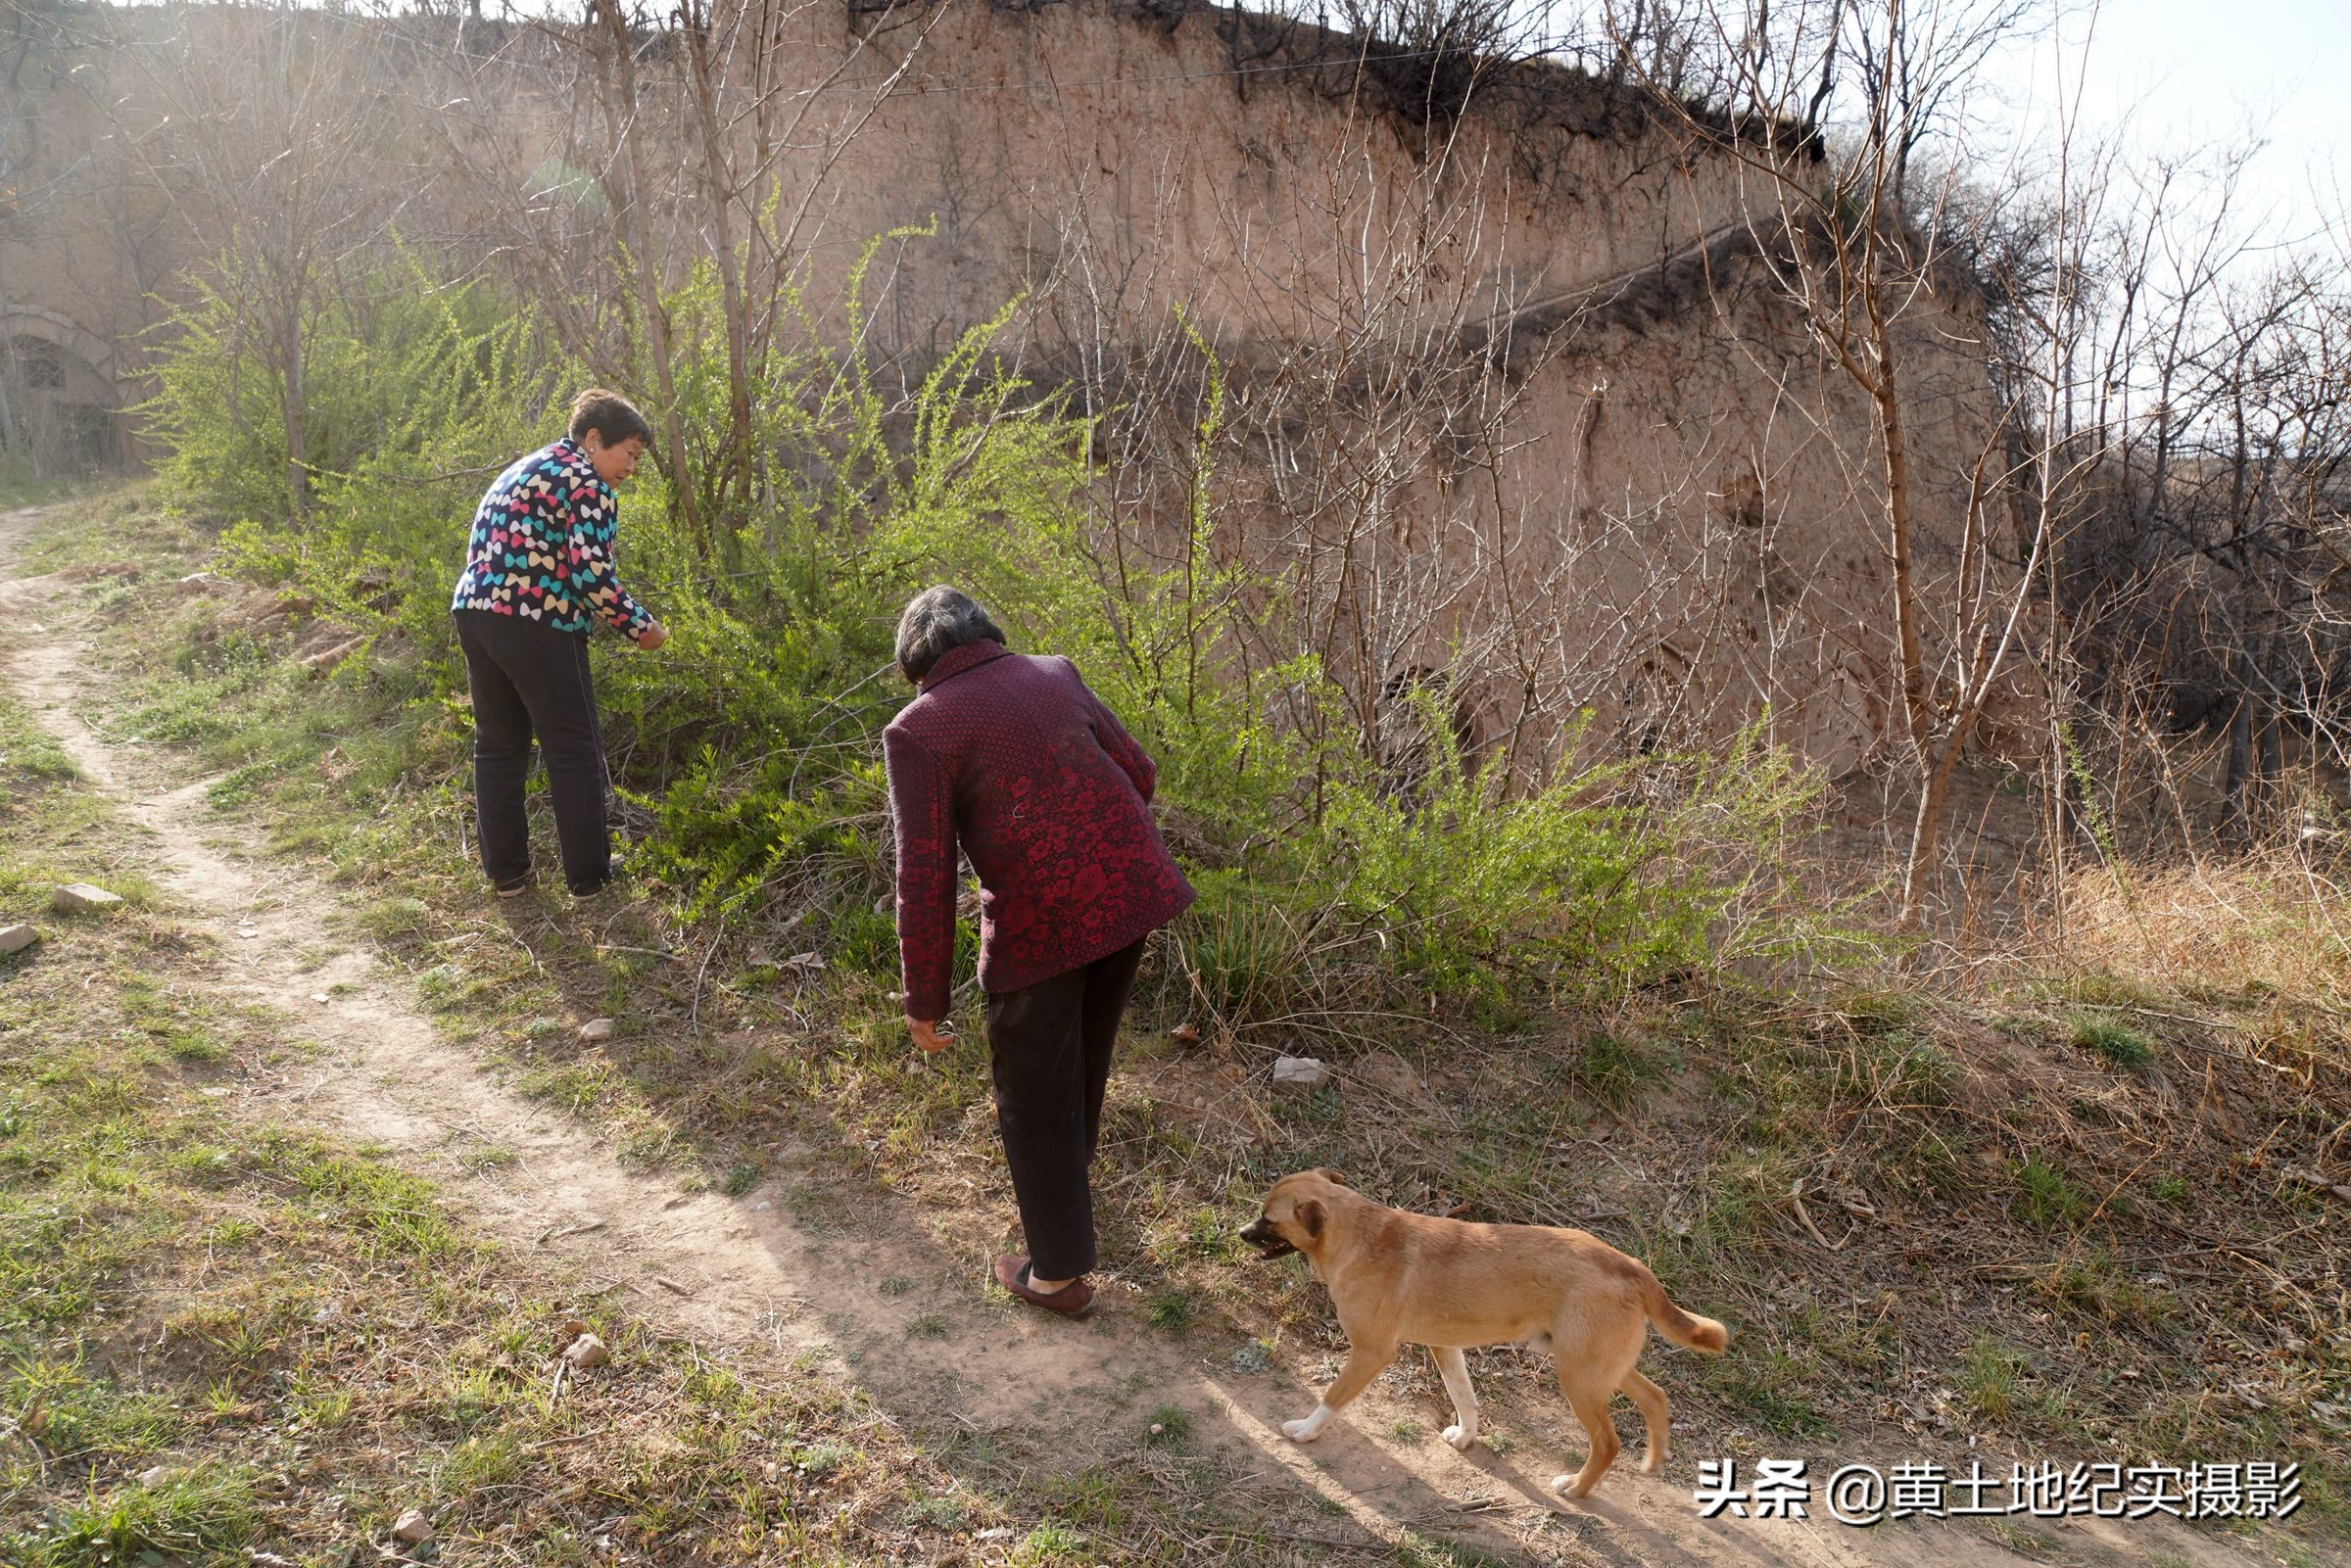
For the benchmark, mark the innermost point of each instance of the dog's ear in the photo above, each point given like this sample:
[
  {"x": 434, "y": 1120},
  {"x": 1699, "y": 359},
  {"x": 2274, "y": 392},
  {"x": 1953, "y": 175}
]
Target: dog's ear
[
  {"x": 1331, "y": 1176},
  {"x": 1309, "y": 1214}
]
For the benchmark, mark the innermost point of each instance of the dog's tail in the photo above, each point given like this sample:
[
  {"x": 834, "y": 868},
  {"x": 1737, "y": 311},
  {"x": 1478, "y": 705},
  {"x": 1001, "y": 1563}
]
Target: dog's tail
[{"x": 1688, "y": 1332}]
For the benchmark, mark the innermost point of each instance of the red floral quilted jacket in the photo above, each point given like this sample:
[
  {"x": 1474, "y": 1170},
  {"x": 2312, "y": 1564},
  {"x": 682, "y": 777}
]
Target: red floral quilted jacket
[{"x": 1011, "y": 756}]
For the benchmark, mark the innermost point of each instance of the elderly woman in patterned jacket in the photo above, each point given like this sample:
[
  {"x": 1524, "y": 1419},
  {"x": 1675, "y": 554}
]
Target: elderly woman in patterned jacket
[
  {"x": 1012, "y": 758},
  {"x": 539, "y": 576}
]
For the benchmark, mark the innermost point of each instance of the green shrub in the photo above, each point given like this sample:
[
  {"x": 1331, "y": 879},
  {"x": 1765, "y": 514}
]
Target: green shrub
[{"x": 1332, "y": 894}]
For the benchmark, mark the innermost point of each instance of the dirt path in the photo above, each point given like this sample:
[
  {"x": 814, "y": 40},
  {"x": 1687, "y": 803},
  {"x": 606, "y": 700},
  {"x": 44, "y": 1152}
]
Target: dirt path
[{"x": 739, "y": 1272}]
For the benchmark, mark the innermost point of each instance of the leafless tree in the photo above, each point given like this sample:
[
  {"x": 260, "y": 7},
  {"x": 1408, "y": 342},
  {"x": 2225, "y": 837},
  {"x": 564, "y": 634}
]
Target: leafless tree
[
  {"x": 1844, "y": 116},
  {"x": 272, "y": 131}
]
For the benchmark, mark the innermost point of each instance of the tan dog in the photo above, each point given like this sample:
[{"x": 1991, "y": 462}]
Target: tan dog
[{"x": 1398, "y": 1278}]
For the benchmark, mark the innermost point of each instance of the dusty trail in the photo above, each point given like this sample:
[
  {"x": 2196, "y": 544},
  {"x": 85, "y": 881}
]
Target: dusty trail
[{"x": 740, "y": 1273}]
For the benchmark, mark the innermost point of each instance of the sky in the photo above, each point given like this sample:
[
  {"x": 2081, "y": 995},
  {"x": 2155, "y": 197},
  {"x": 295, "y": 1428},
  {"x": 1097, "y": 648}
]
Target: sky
[{"x": 2176, "y": 74}]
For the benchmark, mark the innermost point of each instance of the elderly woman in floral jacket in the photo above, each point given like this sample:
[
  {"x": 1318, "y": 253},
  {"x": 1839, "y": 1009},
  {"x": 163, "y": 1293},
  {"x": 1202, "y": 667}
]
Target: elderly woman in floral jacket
[
  {"x": 538, "y": 577},
  {"x": 1012, "y": 758}
]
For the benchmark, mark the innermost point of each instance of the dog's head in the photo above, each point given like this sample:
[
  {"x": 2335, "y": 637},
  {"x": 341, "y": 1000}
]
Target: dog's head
[{"x": 1295, "y": 1214}]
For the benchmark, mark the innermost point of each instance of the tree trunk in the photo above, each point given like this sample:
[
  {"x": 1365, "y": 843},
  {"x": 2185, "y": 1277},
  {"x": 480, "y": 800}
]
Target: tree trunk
[
  {"x": 2241, "y": 746},
  {"x": 1934, "y": 772},
  {"x": 1924, "y": 833},
  {"x": 621, "y": 112},
  {"x": 2268, "y": 763},
  {"x": 298, "y": 474},
  {"x": 12, "y": 438},
  {"x": 734, "y": 465}
]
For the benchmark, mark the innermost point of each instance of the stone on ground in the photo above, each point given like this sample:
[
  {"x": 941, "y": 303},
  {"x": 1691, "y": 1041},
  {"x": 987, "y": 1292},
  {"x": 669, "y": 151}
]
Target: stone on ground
[
  {"x": 81, "y": 898},
  {"x": 599, "y": 1029},
  {"x": 413, "y": 1529},
  {"x": 17, "y": 939},
  {"x": 1299, "y": 1073}
]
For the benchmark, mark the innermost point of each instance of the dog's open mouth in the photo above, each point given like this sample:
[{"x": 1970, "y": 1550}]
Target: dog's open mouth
[{"x": 1267, "y": 1242}]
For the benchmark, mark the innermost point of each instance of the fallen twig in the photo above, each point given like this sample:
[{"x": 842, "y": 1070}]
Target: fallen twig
[{"x": 1795, "y": 1196}]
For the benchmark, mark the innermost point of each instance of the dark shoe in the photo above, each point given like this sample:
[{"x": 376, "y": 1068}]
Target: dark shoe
[
  {"x": 515, "y": 887},
  {"x": 612, "y": 875},
  {"x": 1070, "y": 1301}
]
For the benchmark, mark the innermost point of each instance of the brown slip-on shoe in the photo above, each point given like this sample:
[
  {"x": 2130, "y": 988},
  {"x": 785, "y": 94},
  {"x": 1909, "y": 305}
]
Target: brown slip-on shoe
[{"x": 1070, "y": 1301}]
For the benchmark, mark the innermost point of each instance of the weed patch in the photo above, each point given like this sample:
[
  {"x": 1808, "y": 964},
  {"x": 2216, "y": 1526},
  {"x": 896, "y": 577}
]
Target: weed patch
[
  {"x": 287, "y": 1343},
  {"x": 2112, "y": 1040},
  {"x": 2045, "y": 1198}
]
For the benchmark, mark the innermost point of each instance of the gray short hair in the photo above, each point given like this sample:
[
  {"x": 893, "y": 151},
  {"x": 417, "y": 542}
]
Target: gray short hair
[{"x": 937, "y": 622}]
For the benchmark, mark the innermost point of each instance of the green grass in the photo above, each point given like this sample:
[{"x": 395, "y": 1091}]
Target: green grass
[
  {"x": 944, "y": 1512},
  {"x": 1772, "y": 1388},
  {"x": 1093, "y": 1498},
  {"x": 1170, "y": 1310},
  {"x": 1991, "y": 1374},
  {"x": 27, "y": 752},
  {"x": 1672, "y": 1124},
  {"x": 2045, "y": 1198},
  {"x": 301, "y": 1339},
  {"x": 1051, "y": 1544},
  {"x": 1417, "y": 1550},
  {"x": 208, "y": 1513},
  {"x": 2111, "y": 1039},
  {"x": 2095, "y": 1288},
  {"x": 1170, "y": 1426},
  {"x": 1613, "y": 1068},
  {"x": 21, "y": 487}
]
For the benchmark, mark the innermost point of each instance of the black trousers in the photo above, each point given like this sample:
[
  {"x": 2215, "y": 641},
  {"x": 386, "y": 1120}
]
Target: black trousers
[
  {"x": 1048, "y": 1048},
  {"x": 527, "y": 679}
]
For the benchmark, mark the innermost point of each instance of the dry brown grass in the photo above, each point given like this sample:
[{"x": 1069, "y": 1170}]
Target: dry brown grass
[
  {"x": 2075, "y": 1164},
  {"x": 2269, "y": 919}
]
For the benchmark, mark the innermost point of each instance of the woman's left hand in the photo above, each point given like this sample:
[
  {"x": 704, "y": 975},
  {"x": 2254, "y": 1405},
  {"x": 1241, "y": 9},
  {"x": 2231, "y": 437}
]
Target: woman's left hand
[{"x": 932, "y": 1034}]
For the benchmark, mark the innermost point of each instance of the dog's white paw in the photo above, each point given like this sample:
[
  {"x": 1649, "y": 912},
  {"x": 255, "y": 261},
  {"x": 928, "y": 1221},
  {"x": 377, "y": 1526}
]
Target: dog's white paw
[
  {"x": 1462, "y": 1440},
  {"x": 1305, "y": 1430},
  {"x": 1560, "y": 1484}
]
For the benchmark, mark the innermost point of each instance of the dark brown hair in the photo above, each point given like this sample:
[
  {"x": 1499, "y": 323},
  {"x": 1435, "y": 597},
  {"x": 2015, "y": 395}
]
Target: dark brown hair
[{"x": 611, "y": 415}]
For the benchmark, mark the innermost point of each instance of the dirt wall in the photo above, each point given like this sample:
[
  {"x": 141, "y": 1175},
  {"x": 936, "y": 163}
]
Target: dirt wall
[{"x": 1511, "y": 408}]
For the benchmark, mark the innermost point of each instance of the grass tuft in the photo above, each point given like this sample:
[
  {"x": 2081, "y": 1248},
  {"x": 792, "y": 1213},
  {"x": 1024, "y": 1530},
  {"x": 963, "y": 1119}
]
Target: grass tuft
[
  {"x": 2108, "y": 1037},
  {"x": 1169, "y": 1427},
  {"x": 2045, "y": 1198}
]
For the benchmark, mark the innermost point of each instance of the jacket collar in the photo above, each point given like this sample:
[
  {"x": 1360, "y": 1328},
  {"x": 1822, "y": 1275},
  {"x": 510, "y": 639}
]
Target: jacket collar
[{"x": 955, "y": 661}]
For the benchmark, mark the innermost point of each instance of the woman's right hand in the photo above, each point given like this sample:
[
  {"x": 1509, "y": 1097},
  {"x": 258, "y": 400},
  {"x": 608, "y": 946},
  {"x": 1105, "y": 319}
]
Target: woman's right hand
[
  {"x": 930, "y": 1035},
  {"x": 653, "y": 637}
]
